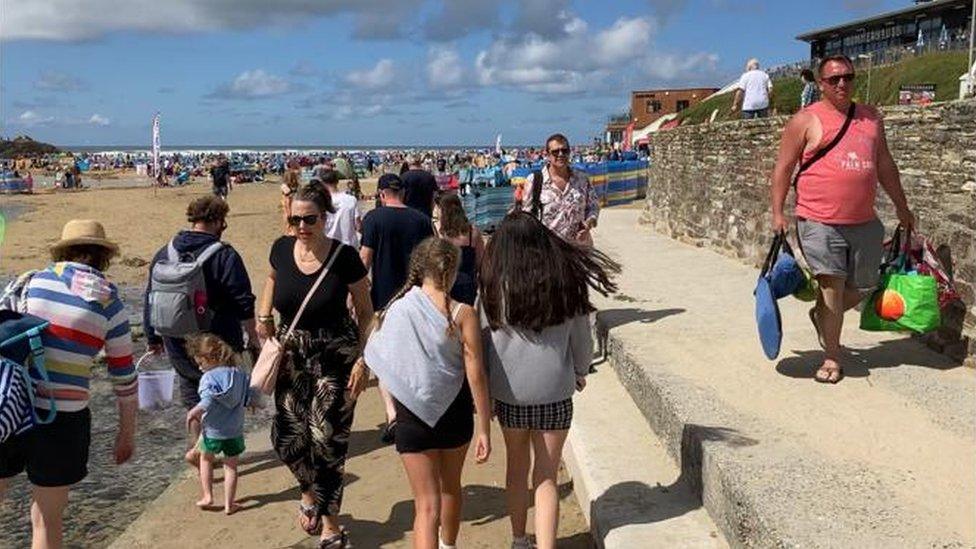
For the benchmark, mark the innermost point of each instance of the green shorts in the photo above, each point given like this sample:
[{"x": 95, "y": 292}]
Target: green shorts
[{"x": 229, "y": 447}]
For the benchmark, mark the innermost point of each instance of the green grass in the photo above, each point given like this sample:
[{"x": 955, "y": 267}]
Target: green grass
[{"x": 941, "y": 69}]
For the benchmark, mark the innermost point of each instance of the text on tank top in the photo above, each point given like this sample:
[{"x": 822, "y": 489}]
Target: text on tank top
[{"x": 840, "y": 188}]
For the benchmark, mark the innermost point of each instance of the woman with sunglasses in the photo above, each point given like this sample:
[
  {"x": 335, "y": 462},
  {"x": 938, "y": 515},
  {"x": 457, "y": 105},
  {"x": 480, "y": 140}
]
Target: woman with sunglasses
[{"x": 323, "y": 373}]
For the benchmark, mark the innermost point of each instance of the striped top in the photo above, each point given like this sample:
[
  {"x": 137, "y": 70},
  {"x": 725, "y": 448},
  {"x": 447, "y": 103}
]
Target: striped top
[{"x": 85, "y": 315}]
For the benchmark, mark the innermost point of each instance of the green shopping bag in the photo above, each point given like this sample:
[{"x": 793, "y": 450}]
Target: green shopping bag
[{"x": 905, "y": 301}]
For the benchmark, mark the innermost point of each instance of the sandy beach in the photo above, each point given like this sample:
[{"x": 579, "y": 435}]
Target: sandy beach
[{"x": 111, "y": 498}]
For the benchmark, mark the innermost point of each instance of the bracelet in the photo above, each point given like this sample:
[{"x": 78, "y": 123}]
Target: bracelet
[{"x": 264, "y": 319}]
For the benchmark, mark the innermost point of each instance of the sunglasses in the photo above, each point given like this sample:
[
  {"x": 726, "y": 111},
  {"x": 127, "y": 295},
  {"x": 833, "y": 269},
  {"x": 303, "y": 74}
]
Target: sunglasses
[
  {"x": 296, "y": 220},
  {"x": 564, "y": 151},
  {"x": 834, "y": 80}
]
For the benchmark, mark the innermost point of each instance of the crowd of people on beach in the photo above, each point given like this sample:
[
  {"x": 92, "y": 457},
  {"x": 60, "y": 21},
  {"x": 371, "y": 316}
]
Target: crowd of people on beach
[{"x": 459, "y": 331}]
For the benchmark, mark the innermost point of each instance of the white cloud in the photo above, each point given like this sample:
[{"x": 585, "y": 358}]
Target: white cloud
[
  {"x": 673, "y": 67},
  {"x": 64, "y": 20},
  {"x": 569, "y": 64},
  {"x": 55, "y": 81},
  {"x": 99, "y": 120},
  {"x": 459, "y": 18},
  {"x": 377, "y": 78},
  {"x": 32, "y": 118},
  {"x": 445, "y": 70},
  {"x": 253, "y": 84}
]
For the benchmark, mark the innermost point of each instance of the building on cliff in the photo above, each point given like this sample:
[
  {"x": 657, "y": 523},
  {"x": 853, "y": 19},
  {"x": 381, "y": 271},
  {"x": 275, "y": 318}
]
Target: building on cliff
[{"x": 926, "y": 25}]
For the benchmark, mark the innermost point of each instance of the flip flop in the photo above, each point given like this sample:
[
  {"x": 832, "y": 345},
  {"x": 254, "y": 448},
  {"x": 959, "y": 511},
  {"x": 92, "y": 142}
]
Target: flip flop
[
  {"x": 310, "y": 514},
  {"x": 838, "y": 371},
  {"x": 339, "y": 540}
]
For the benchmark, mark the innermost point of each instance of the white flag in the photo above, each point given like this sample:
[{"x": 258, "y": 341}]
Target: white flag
[{"x": 155, "y": 144}]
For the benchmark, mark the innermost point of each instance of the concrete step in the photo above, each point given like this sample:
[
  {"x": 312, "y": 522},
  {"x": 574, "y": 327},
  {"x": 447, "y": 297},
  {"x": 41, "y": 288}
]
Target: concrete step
[
  {"x": 631, "y": 492},
  {"x": 886, "y": 458}
]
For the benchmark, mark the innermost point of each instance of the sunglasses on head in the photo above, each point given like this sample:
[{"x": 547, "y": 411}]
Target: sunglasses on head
[
  {"x": 564, "y": 151},
  {"x": 835, "y": 79},
  {"x": 296, "y": 220}
]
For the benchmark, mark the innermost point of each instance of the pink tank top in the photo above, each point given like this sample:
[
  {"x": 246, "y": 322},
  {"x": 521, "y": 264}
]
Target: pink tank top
[{"x": 840, "y": 188}]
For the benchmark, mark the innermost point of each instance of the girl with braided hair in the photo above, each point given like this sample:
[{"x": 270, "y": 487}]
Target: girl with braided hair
[{"x": 426, "y": 350}]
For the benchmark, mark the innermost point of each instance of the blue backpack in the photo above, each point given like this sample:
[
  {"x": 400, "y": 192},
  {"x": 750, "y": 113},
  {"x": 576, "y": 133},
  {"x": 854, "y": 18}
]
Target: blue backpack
[{"x": 20, "y": 350}]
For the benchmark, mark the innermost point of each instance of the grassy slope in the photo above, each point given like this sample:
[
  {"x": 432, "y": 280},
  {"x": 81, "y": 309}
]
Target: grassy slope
[{"x": 941, "y": 69}]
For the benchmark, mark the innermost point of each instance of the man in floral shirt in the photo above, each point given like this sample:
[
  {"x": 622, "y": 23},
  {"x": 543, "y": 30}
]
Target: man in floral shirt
[{"x": 568, "y": 204}]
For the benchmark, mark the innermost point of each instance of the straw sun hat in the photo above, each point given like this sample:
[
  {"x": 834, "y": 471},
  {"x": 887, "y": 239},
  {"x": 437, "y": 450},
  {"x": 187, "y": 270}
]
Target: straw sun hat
[{"x": 84, "y": 231}]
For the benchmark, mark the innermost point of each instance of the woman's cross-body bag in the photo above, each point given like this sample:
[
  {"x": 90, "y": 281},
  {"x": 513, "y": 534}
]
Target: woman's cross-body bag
[{"x": 264, "y": 376}]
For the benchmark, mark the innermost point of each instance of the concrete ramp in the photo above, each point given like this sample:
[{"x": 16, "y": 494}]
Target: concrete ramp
[{"x": 886, "y": 458}]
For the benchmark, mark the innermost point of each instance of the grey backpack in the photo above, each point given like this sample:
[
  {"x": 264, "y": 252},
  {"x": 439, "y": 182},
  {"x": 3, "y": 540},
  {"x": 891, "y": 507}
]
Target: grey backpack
[{"x": 178, "y": 294}]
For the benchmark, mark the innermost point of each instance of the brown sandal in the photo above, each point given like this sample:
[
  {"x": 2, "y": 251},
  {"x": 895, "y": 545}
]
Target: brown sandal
[
  {"x": 308, "y": 518},
  {"x": 830, "y": 375}
]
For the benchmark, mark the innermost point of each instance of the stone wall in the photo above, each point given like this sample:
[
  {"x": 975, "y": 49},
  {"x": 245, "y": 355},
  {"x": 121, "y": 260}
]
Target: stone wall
[{"x": 709, "y": 185}]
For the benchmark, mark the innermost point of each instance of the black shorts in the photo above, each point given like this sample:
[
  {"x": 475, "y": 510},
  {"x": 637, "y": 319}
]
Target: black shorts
[
  {"x": 53, "y": 455},
  {"x": 453, "y": 429}
]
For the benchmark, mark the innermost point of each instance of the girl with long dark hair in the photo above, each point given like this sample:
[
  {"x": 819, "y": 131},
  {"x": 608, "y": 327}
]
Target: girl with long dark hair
[
  {"x": 535, "y": 291},
  {"x": 453, "y": 226}
]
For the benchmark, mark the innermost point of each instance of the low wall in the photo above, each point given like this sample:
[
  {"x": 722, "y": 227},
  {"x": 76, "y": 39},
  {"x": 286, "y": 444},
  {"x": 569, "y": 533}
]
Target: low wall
[{"x": 709, "y": 185}]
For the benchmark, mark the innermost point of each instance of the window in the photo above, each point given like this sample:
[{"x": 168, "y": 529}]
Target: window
[
  {"x": 653, "y": 106},
  {"x": 682, "y": 104}
]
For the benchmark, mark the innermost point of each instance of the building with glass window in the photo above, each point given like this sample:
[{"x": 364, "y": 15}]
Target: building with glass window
[{"x": 927, "y": 25}]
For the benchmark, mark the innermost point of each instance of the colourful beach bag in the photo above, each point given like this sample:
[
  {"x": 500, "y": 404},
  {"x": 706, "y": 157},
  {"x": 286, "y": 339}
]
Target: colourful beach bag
[
  {"x": 907, "y": 299},
  {"x": 20, "y": 350}
]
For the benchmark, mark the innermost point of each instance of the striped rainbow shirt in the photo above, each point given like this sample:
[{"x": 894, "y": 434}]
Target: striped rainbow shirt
[{"x": 86, "y": 315}]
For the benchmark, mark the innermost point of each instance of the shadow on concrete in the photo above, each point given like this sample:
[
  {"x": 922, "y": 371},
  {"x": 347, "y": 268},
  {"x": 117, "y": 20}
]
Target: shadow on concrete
[
  {"x": 364, "y": 442},
  {"x": 288, "y": 494},
  {"x": 609, "y": 319},
  {"x": 635, "y": 502},
  {"x": 860, "y": 362}
]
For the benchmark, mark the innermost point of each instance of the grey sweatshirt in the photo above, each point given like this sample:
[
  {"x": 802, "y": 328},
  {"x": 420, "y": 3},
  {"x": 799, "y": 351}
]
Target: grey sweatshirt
[{"x": 525, "y": 367}]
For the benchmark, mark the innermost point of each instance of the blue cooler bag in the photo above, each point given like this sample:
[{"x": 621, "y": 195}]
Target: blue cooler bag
[{"x": 20, "y": 350}]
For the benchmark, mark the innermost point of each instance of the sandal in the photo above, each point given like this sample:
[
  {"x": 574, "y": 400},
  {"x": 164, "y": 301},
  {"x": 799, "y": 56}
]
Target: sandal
[
  {"x": 308, "y": 518},
  {"x": 832, "y": 375},
  {"x": 389, "y": 433},
  {"x": 339, "y": 540}
]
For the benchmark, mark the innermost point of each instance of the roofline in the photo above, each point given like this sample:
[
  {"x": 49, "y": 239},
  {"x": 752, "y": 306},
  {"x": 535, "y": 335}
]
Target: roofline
[
  {"x": 708, "y": 88},
  {"x": 808, "y": 36}
]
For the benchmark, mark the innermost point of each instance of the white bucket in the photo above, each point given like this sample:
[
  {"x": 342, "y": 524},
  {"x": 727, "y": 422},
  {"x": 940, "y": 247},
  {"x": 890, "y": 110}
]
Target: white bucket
[{"x": 155, "y": 386}]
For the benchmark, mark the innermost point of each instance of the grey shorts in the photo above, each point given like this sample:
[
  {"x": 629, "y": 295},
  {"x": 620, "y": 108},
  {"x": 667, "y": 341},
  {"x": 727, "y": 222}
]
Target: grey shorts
[{"x": 851, "y": 252}]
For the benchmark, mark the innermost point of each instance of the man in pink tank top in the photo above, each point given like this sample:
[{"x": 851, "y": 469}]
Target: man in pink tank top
[{"x": 837, "y": 228}]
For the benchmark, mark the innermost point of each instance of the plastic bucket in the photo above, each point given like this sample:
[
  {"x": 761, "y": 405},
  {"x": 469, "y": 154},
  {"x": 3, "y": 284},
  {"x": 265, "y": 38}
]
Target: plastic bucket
[{"x": 155, "y": 386}]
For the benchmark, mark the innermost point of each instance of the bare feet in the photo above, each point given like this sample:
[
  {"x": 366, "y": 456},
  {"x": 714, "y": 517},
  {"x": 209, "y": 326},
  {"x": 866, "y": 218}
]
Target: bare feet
[
  {"x": 205, "y": 501},
  {"x": 232, "y": 508}
]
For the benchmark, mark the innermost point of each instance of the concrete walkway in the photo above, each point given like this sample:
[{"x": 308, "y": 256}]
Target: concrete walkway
[
  {"x": 377, "y": 509},
  {"x": 886, "y": 458}
]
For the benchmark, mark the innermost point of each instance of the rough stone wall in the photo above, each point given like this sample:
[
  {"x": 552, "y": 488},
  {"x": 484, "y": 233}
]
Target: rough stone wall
[{"x": 709, "y": 185}]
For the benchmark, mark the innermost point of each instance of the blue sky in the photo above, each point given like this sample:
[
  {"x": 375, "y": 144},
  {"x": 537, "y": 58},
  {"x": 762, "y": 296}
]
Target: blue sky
[{"x": 358, "y": 72}]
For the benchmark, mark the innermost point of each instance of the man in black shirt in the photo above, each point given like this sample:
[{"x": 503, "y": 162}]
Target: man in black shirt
[
  {"x": 390, "y": 234},
  {"x": 420, "y": 187},
  {"x": 221, "y": 177}
]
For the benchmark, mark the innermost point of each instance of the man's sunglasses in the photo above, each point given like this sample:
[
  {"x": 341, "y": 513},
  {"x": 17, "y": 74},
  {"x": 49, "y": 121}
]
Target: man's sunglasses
[
  {"x": 564, "y": 151},
  {"x": 296, "y": 220},
  {"x": 835, "y": 79}
]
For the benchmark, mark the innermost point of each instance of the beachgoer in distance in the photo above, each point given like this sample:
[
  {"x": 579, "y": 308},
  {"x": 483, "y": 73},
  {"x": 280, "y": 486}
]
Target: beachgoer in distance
[
  {"x": 228, "y": 296},
  {"x": 86, "y": 316},
  {"x": 290, "y": 182},
  {"x": 837, "y": 228},
  {"x": 345, "y": 223},
  {"x": 538, "y": 349},
  {"x": 323, "y": 375},
  {"x": 224, "y": 393},
  {"x": 426, "y": 348},
  {"x": 453, "y": 226},
  {"x": 810, "y": 93},
  {"x": 753, "y": 92},
  {"x": 568, "y": 204},
  {"x": 390, "y": 234},
  {"x": 419, "y": 186},
  {"x": 220, "y": 174}
]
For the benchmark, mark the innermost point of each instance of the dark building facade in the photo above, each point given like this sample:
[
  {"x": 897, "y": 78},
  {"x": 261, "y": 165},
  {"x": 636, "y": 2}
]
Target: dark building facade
[
  {"x": 926, "y": 25},
  {"x": 646, "y": 106}
]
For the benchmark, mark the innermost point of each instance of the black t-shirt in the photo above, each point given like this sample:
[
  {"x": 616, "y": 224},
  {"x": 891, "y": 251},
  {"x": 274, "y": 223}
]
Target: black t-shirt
[
  {"x": 328, "y": 305},
  {"x": 420, "y": 187},
  {"x": 220, "y": 174},
  {"x": 392, "y": 234}
]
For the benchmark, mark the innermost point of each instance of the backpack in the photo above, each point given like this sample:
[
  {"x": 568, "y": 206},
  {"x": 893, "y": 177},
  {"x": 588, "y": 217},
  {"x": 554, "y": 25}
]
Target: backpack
[
  {"x": 20, "y": 350},
  {"x": 178, "y": 294}
]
